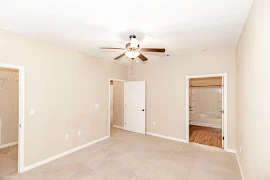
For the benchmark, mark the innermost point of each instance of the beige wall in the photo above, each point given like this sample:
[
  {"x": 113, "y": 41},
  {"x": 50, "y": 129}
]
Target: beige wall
[
  {"x": 253, "y": 98},
  {"x": 9, "y": 106},
  {"x": 63, "y": 87},
  {"x": 118, "y": 103},
  {"x": 166, "y": 90}
]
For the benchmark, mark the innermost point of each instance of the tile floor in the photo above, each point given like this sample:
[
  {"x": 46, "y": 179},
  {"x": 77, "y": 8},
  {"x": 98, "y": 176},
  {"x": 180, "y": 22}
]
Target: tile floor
[
  {"x": 205, "y": 135},
  {"x": 8, "y": 160},
  {"x": 131, "y": 156}
]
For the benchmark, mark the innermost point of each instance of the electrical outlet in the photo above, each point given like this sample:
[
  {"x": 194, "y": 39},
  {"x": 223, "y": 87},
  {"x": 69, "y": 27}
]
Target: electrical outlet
[
  {"x": 79, "y": 133},
  {"x": 240, "y": 148},
  {"x": 32, "y": 112},
  {"x": 154, "y": 123},
  {"x": 97, "y": 106},
  {"x": 66, "y": 136}
]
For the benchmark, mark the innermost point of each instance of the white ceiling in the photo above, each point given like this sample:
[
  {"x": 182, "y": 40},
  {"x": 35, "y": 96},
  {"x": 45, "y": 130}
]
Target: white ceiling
[{"x": 183, "y": 27}]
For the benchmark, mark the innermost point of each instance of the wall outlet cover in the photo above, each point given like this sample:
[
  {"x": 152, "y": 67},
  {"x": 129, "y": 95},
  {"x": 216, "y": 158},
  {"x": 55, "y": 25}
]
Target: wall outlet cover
[
  {"x": 66, "y": 136},
  {"x": 79, "y": 133},
  {"x": 97, "y": 106},
  {"x": 32, "y": 112}
]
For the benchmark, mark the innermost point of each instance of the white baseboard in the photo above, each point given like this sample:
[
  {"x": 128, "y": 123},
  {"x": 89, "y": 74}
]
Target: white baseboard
[
  {"x": 9, "y": 144},
  {"x": 119, "y": 127},
  {"x": 204, "y": 125},
  {"x": 240, "y": 166},
  {"x": 166, "y": 137},
  {"x": 235, "y": 152},
  {"x": 63, "y": 154},
  {"x": 230, "y": 150}
]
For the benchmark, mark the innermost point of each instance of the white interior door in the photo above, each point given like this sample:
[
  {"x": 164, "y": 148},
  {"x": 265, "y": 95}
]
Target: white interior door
[
  {"x": 222, "y": 112},
  {"x": 135, "y": 106}
]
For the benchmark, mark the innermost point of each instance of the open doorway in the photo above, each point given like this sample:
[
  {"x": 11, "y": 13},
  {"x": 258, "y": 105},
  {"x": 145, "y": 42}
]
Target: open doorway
[
  {"x": 116, "y": 98},
  {"x": 206, "y": 120},
  {"x": 9, "y": 120},
  {"x": 127, "y": 105},
  {"x": 12, "y": 107}
]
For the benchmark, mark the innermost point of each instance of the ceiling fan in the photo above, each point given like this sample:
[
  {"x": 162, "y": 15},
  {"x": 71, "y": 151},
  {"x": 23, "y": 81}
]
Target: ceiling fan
[{"x": 134, "y": 50}]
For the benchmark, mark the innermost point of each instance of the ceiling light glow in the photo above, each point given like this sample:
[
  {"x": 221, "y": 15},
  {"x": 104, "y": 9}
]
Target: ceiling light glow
[{"x": 132, "y": 54}]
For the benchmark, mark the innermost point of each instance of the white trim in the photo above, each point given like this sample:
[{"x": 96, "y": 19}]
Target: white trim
[
  {"x": 9, "y": 144},
  {"x": 166, "y": 137},
  {"x": 21, "y": 113},
  {"x": 64, "y": 154},
  {"x": 224, "y": 75},
  {"x": 205, "y": 125},
  {"x": 237, "y": 157},
  {"x": 119, "y": 127},
  {"x": 230, "y": 150},
  {"x": 109, "y": 122}
]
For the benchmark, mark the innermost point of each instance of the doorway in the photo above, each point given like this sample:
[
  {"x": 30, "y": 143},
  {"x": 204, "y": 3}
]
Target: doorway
[
  {"x": 206, "y": 109},
  {"x": 116, "y": 103},
  {"x": 127, "y": 105},
  {"x": 11, "y": 119}
]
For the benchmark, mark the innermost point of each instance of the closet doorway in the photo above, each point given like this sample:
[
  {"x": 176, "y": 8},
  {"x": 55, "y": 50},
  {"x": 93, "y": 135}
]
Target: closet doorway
[
  {"x": 11, "y": 119},
  {"x": 206, "y": 110}
]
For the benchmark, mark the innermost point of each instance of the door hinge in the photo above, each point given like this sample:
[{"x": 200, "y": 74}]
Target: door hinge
[
  {"x": 20, "y": 125},
  {"x": 223, "y": 138},
  {"x": 222, "y": 111},
  {"x": 222, "y": 85}
]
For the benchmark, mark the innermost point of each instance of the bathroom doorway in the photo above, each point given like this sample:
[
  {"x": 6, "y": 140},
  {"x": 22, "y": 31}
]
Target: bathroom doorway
[{"x": 206, "y": 110}]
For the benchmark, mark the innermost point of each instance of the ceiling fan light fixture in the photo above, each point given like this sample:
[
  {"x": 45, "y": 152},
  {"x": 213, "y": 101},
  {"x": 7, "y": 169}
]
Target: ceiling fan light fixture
[
  {"x": 132, "y": 54},
  {"x": 134, "y": 42}
]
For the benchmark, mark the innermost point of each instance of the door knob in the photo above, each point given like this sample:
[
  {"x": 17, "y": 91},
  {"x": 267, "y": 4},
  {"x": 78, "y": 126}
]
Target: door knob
[{"x": 142, "y": 109}]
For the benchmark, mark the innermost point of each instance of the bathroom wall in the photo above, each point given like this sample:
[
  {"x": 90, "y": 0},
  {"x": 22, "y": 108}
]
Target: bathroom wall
[
  {"x": 206, "y": 102},
  {"x": 9, "y": 106}
]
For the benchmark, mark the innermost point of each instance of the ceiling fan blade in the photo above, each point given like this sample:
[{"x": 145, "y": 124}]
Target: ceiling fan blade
[
  {"x": 153, "y": 49},
  {"x": 112, "y": 48},
  {"x": 118, "y": 57},
  {"x": 142, "y": 57}
]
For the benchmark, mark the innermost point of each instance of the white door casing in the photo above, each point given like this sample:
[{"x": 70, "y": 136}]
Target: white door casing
[
  {"x": 222, "y": 112},
  {"x": 135, "y": 106}
]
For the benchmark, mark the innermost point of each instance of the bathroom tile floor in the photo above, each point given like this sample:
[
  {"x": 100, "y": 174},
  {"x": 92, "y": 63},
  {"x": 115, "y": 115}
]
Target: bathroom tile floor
[
  {"x": 130, "y": 156},
  {"x": 205, "y": 135}
]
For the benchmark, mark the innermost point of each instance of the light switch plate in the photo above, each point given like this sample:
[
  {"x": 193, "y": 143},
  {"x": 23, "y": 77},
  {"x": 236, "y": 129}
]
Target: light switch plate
[
  {"x": 79, "y": 133},
  {"x": 97, "y": 106},
  {"x": 66, "y": 136},
  {"x": 32, "y": 112}
]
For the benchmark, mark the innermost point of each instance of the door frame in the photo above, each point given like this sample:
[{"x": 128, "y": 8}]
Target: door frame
[
  {"x": 225, "y": 98},
  {"x": 21, "y": 113},
  {"x": 109, "y": 120}
]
